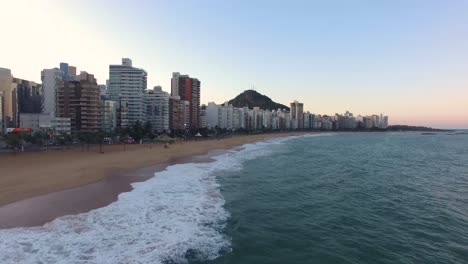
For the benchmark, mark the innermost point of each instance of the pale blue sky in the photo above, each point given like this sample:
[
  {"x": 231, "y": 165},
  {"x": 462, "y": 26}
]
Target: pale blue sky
[{"x": 407, "y": 59}]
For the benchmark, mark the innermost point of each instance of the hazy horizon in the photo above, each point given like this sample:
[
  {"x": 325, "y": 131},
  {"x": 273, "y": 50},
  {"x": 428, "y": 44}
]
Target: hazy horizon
[{"x": 407, "y": 60}]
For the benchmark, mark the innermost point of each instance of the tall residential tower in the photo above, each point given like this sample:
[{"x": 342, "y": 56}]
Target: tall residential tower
[
  {"x": 188, "y": 89},
  {"x": 127, "y": 87},
  {"x": 297, "y": 115}
]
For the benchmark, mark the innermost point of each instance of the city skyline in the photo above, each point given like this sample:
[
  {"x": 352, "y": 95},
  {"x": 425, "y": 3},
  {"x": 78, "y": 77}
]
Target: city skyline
[{"x": 408, "y": 62}]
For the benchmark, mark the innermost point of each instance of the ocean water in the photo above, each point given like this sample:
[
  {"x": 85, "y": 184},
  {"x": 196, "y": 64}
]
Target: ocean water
[{"x": 330, "y": 198}]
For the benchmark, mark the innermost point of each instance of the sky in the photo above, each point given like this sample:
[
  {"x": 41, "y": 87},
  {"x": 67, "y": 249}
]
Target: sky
[{"x": 407, "y": 59}]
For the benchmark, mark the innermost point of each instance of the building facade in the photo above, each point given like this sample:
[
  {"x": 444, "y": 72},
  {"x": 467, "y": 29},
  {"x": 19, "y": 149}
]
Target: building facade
[
  {"x": 29, "y": 96},
  {"x": 68, "y": 72},
  {"x": 297, "y": 115},
  {"x": 79, "y": 100},
  {"x": 51, "y": 80},
  {"x": 157, "y": 109},
  {"x": 203, "y": 119},
  {"x": 225, "y": 116},
  {"x": 34, "y": 121},
  {"x": 127, "y": 87},
  {"x": 46, "y": 122},
  {"x": 178, "y": 113},
  {"x": 188, "y": 89},
  {"x": 108, "y": 115},
  {"x": 18, "y": 96},
  {"x": 212, "y": 115}
]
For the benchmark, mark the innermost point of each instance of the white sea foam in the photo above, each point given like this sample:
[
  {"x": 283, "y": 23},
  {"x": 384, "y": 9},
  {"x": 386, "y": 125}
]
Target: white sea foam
[{"x": 174, "y": 216}]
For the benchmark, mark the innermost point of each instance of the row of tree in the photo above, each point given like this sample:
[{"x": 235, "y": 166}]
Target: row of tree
[{"x": 139, "y": 131}]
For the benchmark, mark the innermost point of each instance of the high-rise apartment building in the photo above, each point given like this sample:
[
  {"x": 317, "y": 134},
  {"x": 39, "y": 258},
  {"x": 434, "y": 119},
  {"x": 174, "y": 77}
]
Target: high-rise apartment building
[
  {"x": 29, "y": 96},
  {"x": 68, "y": 72},
  {"x": 51, "y": 80},
  {"x": 384, "y": 122},
  {"x": 225, "y": 116},
  {"x": 108, "y": 115},
  {"x": 79, "y": 100},
  {"x": 267, "y": 119},
  {"x": 297, "y": 115},
  {"x": 203, "y": 119},
  {"x": 19, "y": 96},
  {"x": 157, "y": 109},
  {"x": 26, "y": 98},
  {"x": 178, "y": 112},
  {"x": 127, "y": 87},
  {"x": 189, "y": 90},
  {"x": 375, "y": 121},
  {"x": 195, "y": 104},
  {"x": 212, "y": 115},
  {"x": 307, "y": 120},
  {"x": 103, "y": 89}
]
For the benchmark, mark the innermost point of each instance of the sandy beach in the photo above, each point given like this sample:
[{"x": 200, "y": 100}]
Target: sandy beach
[{"x": 36, "y": 187}]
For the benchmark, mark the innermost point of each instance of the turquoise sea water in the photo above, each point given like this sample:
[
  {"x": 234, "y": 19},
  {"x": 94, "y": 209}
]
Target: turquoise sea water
[{"x": 350, "y": 198}]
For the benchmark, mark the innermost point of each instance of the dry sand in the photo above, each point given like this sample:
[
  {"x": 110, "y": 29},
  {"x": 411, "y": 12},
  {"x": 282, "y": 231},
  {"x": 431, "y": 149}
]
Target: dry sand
[{"x": 78, "y": 180}]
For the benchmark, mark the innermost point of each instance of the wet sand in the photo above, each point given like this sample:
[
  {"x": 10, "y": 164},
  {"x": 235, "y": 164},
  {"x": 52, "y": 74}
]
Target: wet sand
[
  {"x": 37, "y": 211},
  {"x": 36, "y": 188}
]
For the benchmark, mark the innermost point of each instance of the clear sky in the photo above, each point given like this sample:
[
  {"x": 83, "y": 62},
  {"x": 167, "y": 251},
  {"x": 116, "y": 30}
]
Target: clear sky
[{"x": 407, "y": 59}]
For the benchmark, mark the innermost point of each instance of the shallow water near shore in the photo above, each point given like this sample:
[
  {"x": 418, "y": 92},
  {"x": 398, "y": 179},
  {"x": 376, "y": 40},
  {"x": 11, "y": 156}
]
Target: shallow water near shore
[
  {"x": 330, "y": 198},
  {"x": 175, "y": 216}
]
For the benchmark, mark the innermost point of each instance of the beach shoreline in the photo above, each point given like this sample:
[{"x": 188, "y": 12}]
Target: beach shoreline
[{"x": 37, "y": 187}]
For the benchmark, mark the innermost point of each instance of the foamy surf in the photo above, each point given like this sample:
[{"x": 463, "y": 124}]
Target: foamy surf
[{"x": 174, "y": 217}]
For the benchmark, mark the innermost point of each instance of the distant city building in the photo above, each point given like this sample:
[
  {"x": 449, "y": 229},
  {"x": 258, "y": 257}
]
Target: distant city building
[
  {"x": 203, "y": 118},
  {"x": 29, "y": 96},
  {"x": 18, "y": 96},
  {"x": 51, "y": 80},
  {"x": 108, "y": 115},
  {"x": 157, "y": 108},
  {"x": 212, "y": 115},
  {"x": 67, "y": 103},
  {"x": 34, "y": 121},
  {"x": 68, "y": 72},
  {"x": 307, "y": 120},
  {"x": 46, "y": 122},
  {"x": 297, "y": 115},
  {"x": 64, "y": 71},
  {"x": 188, "y": 89},
  {"x": 266, "y": 118},
  {"x": 103, "y": 89},
  {"x": 375, "y": 121},
  {"x": 178, "y": 113},
  {"x": 345, "y": 121},
  {"x": 225, "y": 116},
  {"x": 127, "y": 87},
  {"x": 385, "y": 122},
  {"x": 287, "y": 120},
  {"x": 237, "y": 114},
  {"x": 61, "y": 125},
  {"x": 79, "y": 100}
]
